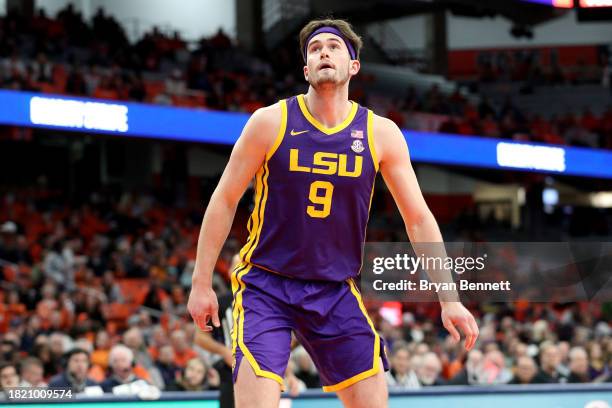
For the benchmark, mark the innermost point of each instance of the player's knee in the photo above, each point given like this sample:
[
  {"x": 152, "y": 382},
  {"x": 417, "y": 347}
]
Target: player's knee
[
  {"x": 377, "y": 399},
  {"x": 369, "y": 393},
  {"x": 251, "y": 391}
]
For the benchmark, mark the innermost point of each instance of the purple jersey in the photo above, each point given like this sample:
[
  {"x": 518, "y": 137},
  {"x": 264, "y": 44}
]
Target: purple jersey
[{"x": 313, "y": 196}]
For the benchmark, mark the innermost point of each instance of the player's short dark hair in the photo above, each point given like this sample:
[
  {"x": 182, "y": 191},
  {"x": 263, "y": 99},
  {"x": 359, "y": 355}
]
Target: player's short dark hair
[{"x": 342, "y": 25}]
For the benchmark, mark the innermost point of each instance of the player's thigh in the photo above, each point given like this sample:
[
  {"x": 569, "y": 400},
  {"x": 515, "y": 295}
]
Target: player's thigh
[
  {"x": 339, "y": 336},
  {"x": 261, "y": 337},
  {"x": 368, "y": 393},
  {"x": 252, "y": 391}
]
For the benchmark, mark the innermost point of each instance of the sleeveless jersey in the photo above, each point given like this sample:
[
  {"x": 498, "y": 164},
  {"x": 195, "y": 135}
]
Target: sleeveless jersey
[{"x": 313, "y": 196}]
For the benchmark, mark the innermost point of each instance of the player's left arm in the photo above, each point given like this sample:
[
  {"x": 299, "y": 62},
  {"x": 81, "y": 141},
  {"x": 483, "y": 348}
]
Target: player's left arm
[{"x": 421, "y": 226}]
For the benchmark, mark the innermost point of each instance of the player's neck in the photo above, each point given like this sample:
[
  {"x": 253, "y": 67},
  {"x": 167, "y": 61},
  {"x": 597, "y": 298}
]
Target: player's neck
[{"x": 330, "y": 107}]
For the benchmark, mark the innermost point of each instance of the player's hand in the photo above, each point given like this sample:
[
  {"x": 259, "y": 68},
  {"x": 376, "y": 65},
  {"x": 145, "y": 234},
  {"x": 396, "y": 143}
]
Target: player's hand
[
  {"x": 203, "y": 306},
  {"x": 455, "y": 315}
]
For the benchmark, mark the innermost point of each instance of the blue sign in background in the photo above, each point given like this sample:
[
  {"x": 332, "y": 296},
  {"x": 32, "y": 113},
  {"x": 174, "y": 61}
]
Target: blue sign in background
[{"x": 204, "y": 126}]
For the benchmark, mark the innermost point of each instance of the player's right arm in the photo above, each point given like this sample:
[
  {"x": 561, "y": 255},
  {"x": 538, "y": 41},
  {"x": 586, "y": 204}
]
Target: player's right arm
[{"x": 247, "y": 157}]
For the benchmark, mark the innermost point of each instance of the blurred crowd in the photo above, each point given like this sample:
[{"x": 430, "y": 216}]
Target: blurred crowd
[
  {"x": 94, "y": 294},
  {"x": 67, "y": 55},
  {"x": 456, "y": 114},
  {"x": 518, "y": 344},
  {"x": 537, "y": 67}
]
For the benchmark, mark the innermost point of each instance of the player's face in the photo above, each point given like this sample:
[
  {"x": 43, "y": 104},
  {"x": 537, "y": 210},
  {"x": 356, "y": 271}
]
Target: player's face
[{"x": 328, "y": 61}]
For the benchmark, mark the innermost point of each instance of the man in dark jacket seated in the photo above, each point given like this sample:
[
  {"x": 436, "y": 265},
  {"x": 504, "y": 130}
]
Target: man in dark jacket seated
[
  {"x": 74, "y": 376},
  {"x": 578, "y": 365},
  {"x": 525, "y": 371},
  {"x": 550, "y": 365},
  {"x": 472, "y": 373}
]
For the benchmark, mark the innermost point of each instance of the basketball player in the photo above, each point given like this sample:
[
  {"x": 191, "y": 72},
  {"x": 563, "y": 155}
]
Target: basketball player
[{"x": 314, "y": 158}]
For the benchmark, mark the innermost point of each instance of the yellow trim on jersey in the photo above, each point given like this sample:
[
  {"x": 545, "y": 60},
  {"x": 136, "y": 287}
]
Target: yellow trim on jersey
[
  {"x": 255, "y": 222},
  {"x": 235, "y": 288},
  {"x": 375, "y": 366},
  {"x": 281, "y": 131},
  {"x": 254, "y": 218},
  {"x": 240, "y": 338},
  {"x": 371, "y": 139},
  {"x": 262, "y": 210},
  {"x": 319, "y": 125}
]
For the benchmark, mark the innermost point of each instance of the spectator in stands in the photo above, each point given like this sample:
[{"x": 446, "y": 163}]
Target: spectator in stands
[
  {"x": 472, "y": 373},
  {"x": 42, "y": 69},
  {"x": 305, "y": 369},
  {"x": 134, "y": 340},
  {"x": 9, "y": 349},
  {"x": 293, "y": 385},
  {"x": 549, "y": 365},
  {"x": 598, "y": 368},
  {"x": 165, "y": 372},
  {"x": 75, "y": 83},
  {"x": 524, "y": 371},
  {"x": 401, "y": 375},
  {"x": 578, "y": 365},
  {"x": 9, "y": 378},
  {"x": 102, "y": 349},
  {"x": 494, "y": 368},
  {"x": 32, "y": 373},
  {"x": 41, "y": 350},
  {"x": 121, "y": 362},
  {"x": 55, "y": 264},
  {"x": 182, "y": 351},
  {"x": 428, "y": 369},
  {"x": 195, "y": 377},
  {"x": 59, "y": 343},
  {"x": 74, "y": 375},
  {"x": 563, "y": 347},
  {"x": 111, "y": 288},
  {"x": 8, "y": 241},
  {"x": 158, "y": 339}
]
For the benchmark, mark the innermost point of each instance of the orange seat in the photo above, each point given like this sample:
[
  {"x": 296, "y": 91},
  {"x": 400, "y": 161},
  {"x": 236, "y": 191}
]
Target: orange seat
[
  {"x": 117, "y": 313},
  {"x": 134, "y": 290},
  {"x": 153, "y": 88}
]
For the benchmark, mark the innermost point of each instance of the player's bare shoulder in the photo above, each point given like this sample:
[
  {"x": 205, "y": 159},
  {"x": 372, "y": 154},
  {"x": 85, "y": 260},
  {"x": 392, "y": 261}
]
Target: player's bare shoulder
[
  {"x": 265, "y": 123},
  {"x": 388, "y": 137}
]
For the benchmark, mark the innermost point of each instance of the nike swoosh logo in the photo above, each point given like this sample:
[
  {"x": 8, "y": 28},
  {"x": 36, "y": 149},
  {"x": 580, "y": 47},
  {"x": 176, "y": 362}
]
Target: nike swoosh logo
[{"x": 294, "y": 133}]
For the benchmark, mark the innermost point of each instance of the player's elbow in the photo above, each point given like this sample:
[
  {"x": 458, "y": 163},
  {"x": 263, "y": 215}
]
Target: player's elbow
[
  {"x": 223, "y": 198},
  {"x": 418, "y": 219}
]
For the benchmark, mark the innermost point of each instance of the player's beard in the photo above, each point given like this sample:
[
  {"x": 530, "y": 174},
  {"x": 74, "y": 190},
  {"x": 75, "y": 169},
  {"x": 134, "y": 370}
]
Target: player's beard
[{"x": 336, "y": 78}]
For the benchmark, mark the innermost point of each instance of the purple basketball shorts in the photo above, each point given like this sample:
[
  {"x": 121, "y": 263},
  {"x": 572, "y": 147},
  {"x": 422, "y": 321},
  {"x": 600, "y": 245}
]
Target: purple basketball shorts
[{"x": 328, "y": 318}]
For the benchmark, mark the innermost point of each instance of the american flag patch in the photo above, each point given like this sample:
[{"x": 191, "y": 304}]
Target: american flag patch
[{"x": 357, "y": 134}]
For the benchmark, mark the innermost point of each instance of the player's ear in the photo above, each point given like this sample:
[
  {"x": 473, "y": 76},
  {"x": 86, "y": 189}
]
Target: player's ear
[
  {"x": 354, "y": 67},
  {"x": 306, "y": 72}
]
